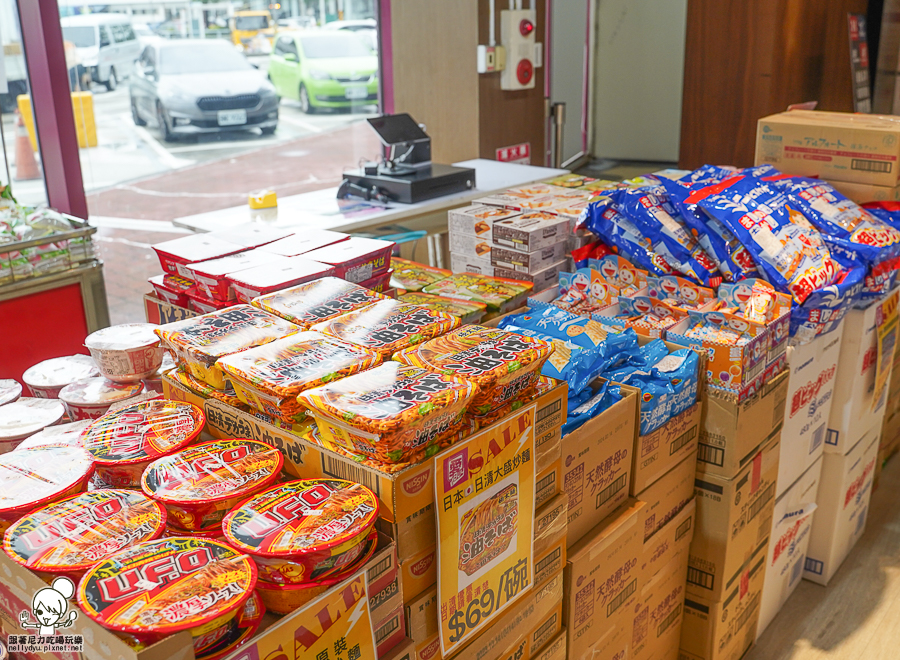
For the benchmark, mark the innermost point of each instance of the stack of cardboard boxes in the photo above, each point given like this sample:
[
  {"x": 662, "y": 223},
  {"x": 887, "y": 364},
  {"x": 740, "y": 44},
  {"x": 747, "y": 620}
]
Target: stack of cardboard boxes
[{"x": 890, "y": 428}]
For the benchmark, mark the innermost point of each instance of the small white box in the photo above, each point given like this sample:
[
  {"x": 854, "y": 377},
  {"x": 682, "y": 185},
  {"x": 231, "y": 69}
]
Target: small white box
[
  {"x": 810, "y": 394},
  {"x": 791, "y": 525},
  {"x": 529, "y": 262},
  {"x": 472, "y": 247},
  {"x": 845, "y": 488},
  {"x": 477, "y": 220},
  {"x": 542, "y": 279},
  {"x": 855, "y": 410}
]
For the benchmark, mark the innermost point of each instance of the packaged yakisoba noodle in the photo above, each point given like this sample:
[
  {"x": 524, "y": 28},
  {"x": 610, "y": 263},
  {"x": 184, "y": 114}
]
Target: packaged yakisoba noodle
[
  {"x": 500, "y": 295},
  {"x": 286, "y": 598},
  {"x": 10, "y": 390},
  {"x": 72, "y": 535},
  {"x": 201, "y": 483},
  {"x": 487, "y": 529},
  {"x": 392, "y": 413},
  {"x": 228, "y": 395},
  {"x": 412, "y": 276},
  {"x": 25, "y": 417},
  {"x": 317, "y": 301},
  {"x": 388, "y": 326},
  {"x": 91, "y": 398},
  {"x": 200, "y": 341},
  {"x": 125, "y": 441},
  {"x": 126, "y": 353},
  {"x": 270, "y": 377},
  {"x": 303, "y": 531},
  {"x": 467, "y": 311},
  {"x": 160, "y": 587},
  {"x": 47, "y": 378},
  {"x": 32, "y": 478}
]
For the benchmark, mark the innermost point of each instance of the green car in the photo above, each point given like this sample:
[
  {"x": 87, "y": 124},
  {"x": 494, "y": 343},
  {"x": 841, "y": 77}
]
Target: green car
[{"x": 324, "y": 69}]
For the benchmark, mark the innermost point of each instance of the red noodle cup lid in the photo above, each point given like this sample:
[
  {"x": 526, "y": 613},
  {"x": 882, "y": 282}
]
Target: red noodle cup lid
[
  {"x": 300, "y": 517},
  {"x": 59, "y": 372},
  {"x": 61, "y": 434},
  {"x": 76, "y": 533},
  {"x": 166, "y": 585},
  {"x": 27, "y": 416},
  {"x": 33, "y": 477},
  {"x": 10, "y": 390},
  {"x": 213, "y": 471},
  {"x": 248, "y": 621},
  {"x": 144, "y": 431},
  {"x": 98, "y": 391},
  {"x": 127, "y": 336}
]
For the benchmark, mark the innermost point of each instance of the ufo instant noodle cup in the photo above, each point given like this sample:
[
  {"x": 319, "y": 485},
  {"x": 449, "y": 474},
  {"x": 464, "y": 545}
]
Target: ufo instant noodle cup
[
  {"x": 270, "y": 377},
  {"x": 61, "y": 434},
  {"x": 275, "y": 276},
  {"x": 126, "y": 353},
  {"x": 167, "y": 585},
  {"x": 214, "y": 533},
  {"x": 10, "y": 390},
  {"x": 31, "y": 478},
  {"x": 314, "y": 302},
  {"x": 91, "y": 398},
  {"x": 286, "y": 598},
  {"x": 246, "y": 623},
  {"x": 388, "y": 326},
  {"x": 200, "y": 341},
  {"x": 201, "y": 483},
  {"x": 72, "y": 535},
  {"x": 303, "y": 531},
  {"x": 501, "y": 364},
  {"x": 124, "y": 442},
  {"x": 47, "y": 378},
  {"x": 25, "y": 417},
  {"x": 393, "y": 413}
]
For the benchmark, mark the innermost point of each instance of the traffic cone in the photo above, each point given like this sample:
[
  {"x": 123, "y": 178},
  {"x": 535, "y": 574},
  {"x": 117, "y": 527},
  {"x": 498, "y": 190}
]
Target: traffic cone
[{"x": 26, "y": 165}]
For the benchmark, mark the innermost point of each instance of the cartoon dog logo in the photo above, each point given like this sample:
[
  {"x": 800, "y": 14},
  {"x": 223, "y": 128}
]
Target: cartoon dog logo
[{"x": 49, "y": 608}]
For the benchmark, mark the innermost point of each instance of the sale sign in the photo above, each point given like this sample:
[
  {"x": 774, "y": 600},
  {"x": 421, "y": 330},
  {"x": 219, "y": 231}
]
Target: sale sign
[
  {"x": 484, "y": 489},
  {"x": 886, "y": 322}
]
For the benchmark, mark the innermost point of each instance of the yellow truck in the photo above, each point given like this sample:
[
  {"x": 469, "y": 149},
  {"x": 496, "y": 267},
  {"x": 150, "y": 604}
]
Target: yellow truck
[{"x": 252, "y": 31}]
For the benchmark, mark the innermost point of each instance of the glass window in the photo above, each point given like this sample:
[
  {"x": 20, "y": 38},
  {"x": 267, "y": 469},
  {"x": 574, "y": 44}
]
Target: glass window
[
  {"x": 104, "y": 36},
  {"x": 83, "y": 36},
  {"x": 211, "y": 57},
  {"x": 128, "y": 33},
  {"x": 330, "y": 46},
  {"x": 251, "y": 22}
]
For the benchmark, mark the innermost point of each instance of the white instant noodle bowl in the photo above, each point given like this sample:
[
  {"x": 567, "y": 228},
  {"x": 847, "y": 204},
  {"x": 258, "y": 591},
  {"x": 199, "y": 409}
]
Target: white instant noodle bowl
[
  {"x": 91, "y": 398},
  {"x": 126, "y": 353},
  {"x": 10, "y": 390},
  {"x": 24, "y": 418},
  {"x": 47, "y": 378}
]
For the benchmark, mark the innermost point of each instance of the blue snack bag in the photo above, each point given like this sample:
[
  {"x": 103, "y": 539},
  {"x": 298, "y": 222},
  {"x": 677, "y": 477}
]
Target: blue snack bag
[
  {"x": 568, "y": 362},
  {"x": 651, "y": 353},
  {"x": 604, "y": 398},
  {"x": 680, "y": 369},
  {"x": 787, "y": 248},
  {"x": 604, "y": 220},
  {"x": 656, "y": 399}
]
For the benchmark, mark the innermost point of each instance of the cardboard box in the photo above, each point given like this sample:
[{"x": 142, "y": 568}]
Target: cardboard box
[
  {"x": 658, "y": 452},
  {"x": 667, "y": 496},
  {"x": 537, "y": 637},
  {"x": 724, "y": 629},
  {"x": 734, "y": 518},
  {"x": 614, "y": 644},
  {"x": 477, "y": 220},
  {"x": 596, "y": 465},
  {"x": 854, "y": 410},
  {"x": 668, "y": 543},
  {"x": 792, "y": 521},
  {"x": 541, "y": 280},
  {"x": 529, "y": 262},
  {"x": 843, "y": 504},
  {"x": 858, "y": 148},
  {"x": 555, "y": 648},
  {"x": 603, "y": 579},
  {"x": 861, "y": 193},
  {"x": 391, "y": 630},
  {"x": 656, "y": 629},
  {"x": 732, "y": 433},
  {"x": 159, "y": 312},
  {"x": 813, "y": 369},
  {"x": 471, "y": 247},
  {"x": 405, "y": 650}
]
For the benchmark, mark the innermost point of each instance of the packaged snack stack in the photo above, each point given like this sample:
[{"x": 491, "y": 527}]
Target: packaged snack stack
[{"x": 363, "y": 261}]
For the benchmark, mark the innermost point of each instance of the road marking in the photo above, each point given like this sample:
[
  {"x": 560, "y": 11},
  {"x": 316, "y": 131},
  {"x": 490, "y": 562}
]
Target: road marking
[
  {"x": 299, "y": 122},
  {"x": 135, "y": 224},
  {"x": 162, "y": 153}
]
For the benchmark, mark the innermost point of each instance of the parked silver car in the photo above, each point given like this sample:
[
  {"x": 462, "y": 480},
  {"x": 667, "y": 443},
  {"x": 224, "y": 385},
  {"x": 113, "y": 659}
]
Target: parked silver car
[{"x": 192, "y": 86}]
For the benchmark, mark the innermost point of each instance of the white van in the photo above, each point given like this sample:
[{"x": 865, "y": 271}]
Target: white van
[{"x": 106, "y": 43}]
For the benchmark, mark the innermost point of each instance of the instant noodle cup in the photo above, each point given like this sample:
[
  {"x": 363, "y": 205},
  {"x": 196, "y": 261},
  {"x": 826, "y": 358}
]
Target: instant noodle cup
[
  {"x": 175, "y": 255},
  {"x": 72, "y": 535},
  {"x": 286, "y": 598},
  {"x": 306, "y": 241},
  {"x": 304, "y": 531},
  {"x": 412, "y": 276},
  {"x": 314, "y": 302},
  {"x": 47, "y": 378},
  {"x": 501, "y": 364},
  {"x": 270, "y": 377},
  {"x": 200, "y": 341},
  {"x": 68, "y": 435},
  {"x": 32, "y": 478},
  {"x": 126, "y": 353},
  {"x": 212, "y": 276},
  {"x": 153, "y": 383},
  {"x": 24, "y": 418},
  {"x": 91, "y": 398},
  {"x": 357, "y": 259},
  {"x": 274, "y": 276},
  {"x": 466, "y": 311},
  {"x": 215, "y": 533},
  {"x": 379, "y": 283},
  {"x": 498, "y": 294},
  {"x": 164, "y": 586},
  {"x": 181, "y": 375},
  {"x": 125, "y": 441},
  {"x": 393, "y": 413},
  {"x": 388, "y": 326},
  {"x": 10, "y": 390},
  {"x": 172, "y": 289},
  {"x": 203, "y": 305},
  {"x": 247, "y": 623},
  {"x": 201, "y": 483}
]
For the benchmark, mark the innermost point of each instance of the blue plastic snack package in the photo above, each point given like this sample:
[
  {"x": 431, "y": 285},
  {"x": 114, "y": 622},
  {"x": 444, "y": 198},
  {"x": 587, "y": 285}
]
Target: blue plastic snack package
[
  {"x": 650, "y": 353},
  {"x": 656, "y": 399},
  {"x": 707, "y": 174},
  {"x": 602, "y": 399},
  {"x": 680, "y": 369},
  {"x": 823, "y": 309},
  {"x": 660, "y": 222},
  {"x": 604, "y": 220},
  {"x": 790, "y": 252},
  {"x": 561, "y": 324},
  {"x": 568, "y": 362},
  {"x": 576, "y": 400}
]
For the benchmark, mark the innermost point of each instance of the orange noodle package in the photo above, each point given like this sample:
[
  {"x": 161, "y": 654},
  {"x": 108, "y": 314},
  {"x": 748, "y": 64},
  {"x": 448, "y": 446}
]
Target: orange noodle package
[
  {"x": 304, "y": 531},
  {"x": 314, "y": 302},
  {"x": 200, "y": 341},
  {"x": 389, "y": 326},
  {"x": 201, "y": 483},
  {"x": 72, "y": 535},
  {"x": 124, "y": 442},
  {"x": 182, "y": 375},
  {"x": 503, "y": 365},
  {"x": 270, "y": 377},
  {"x": 32, "y": 478},
  {"x": 164, "y": 586},
  {"x": 393, "y": 413},
  {"x": 285, "y": 598}
]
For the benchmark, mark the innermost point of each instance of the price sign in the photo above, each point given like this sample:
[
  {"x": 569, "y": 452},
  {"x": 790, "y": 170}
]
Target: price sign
[
  {"x": 886, "y": 322},
  {"x": 484, "y": 490}
]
